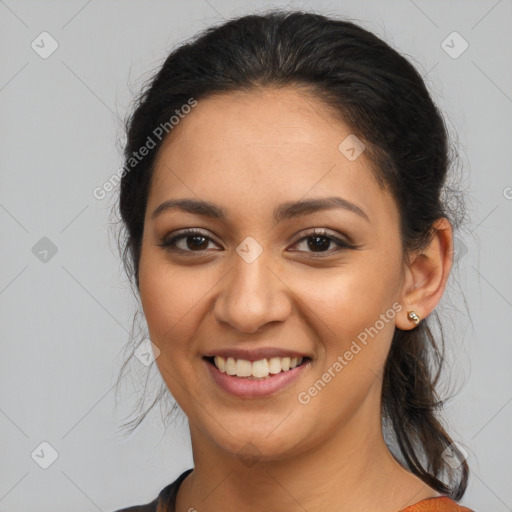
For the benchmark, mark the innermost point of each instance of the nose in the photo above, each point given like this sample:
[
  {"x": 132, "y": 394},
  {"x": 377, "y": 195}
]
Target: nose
[{"x": 252, "y": 295}]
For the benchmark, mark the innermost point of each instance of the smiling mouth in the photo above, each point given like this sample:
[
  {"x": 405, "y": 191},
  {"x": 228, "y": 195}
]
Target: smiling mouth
[{"x": 256, "y": 370}]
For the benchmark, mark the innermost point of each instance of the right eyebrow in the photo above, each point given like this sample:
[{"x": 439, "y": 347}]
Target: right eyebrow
[{"x": 197, "y": 207}]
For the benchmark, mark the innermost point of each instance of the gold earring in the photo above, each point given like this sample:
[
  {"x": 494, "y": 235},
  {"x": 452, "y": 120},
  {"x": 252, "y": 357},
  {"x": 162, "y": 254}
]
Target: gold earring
[{"x": 413, "y": 317}]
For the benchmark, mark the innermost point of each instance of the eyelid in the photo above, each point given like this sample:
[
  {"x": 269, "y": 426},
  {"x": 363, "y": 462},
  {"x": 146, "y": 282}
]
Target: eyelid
[
  {"x": 184, "y": 233},
  {"x": 342, "y": 241}
]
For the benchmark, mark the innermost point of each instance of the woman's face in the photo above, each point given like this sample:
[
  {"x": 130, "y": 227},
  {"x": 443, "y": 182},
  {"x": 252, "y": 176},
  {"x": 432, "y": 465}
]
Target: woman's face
[{"x": 256, "y": 285}]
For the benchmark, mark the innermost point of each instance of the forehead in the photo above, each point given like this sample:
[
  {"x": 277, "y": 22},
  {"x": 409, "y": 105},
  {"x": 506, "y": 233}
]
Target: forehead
[
  {"x": 285, "y": 118},
  {"x": 258, "y": 147}
]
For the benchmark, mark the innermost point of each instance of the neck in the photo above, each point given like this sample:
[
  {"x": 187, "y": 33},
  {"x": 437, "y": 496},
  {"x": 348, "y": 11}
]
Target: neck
[{"x": 352, "y": 470}]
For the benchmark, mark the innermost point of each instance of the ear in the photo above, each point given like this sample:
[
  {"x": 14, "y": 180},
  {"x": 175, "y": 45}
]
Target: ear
[{"x": 426, "y": 274}]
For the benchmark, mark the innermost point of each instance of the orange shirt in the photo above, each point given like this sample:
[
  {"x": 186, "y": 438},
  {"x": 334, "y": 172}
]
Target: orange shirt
[{"x": 438, "y": 504}]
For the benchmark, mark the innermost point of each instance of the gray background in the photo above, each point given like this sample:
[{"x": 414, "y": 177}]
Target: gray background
[{"x": 64, "y": 321}]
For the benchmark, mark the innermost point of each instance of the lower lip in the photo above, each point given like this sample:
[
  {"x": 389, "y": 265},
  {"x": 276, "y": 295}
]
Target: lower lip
[{"x": 250, "y": 388}]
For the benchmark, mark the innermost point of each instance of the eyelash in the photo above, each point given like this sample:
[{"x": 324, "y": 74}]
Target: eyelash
[{"x": 170, "y": 243}]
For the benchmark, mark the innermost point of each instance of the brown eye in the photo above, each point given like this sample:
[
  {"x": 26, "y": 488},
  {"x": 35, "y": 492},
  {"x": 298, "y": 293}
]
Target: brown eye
[
  {"x": 195, "y": 242},
  {"x": 187, "y": 241},
  {"x": 320, "y": 241}
]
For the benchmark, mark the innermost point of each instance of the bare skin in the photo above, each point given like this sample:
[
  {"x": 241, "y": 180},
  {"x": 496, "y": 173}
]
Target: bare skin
[{"x": 249, "y": 153}]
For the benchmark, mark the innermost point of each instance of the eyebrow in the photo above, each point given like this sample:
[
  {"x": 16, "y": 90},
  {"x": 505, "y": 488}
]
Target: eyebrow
[{"x": 284, "y": 211}]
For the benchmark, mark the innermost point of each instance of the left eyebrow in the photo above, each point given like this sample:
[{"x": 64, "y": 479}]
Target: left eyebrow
[
  {"x": 295, "y": 209},
  {"x": 283, "y": 212}
]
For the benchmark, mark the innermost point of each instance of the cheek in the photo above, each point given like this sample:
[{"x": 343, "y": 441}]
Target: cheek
[
  {"x": 169, "y": 299},
  {"x": 351, "y": 314},
  {"x": 171, "y": 304},
  {"x": 352, "y": 304}
]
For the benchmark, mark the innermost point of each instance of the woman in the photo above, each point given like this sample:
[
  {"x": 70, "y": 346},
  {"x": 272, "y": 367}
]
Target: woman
[{"x": 284, "y": 225}]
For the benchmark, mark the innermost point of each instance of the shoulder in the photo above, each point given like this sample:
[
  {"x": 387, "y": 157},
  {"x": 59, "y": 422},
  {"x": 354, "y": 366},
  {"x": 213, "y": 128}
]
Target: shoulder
[
  {"x": 149, "y": 507},
  {"x": 166, "y": 496},
  {"x": 438, "y": 504}
]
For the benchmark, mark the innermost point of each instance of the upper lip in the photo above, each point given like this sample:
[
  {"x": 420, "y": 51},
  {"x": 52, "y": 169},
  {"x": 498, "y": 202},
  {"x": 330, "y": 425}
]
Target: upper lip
[{"x": 254, "y": 354}]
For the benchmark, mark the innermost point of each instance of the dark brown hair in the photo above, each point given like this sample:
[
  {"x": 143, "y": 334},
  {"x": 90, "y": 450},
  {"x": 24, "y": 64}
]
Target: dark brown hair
[{"x": 384, "y": 100}]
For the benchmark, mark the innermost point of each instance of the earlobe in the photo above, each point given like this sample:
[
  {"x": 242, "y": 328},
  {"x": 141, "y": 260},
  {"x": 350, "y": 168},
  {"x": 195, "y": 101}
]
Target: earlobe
[
  {"x": 413, "y": 317},
  {"x": 426, "y": 276},
  {"x": 408, "y": 319}
]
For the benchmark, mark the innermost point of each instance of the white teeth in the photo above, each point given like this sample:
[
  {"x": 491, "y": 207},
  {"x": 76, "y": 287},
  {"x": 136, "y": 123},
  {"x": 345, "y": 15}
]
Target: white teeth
[
  {"x": 220, "y": 363},
  {"x": 274, "y": 365},
  {"x": 243, "y": 368},
  {"x": 259, "y": 369},
  {"x": 230, "y": 366}
]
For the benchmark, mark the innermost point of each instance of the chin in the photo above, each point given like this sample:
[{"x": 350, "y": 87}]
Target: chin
[{"x": 261, "y": 442}]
